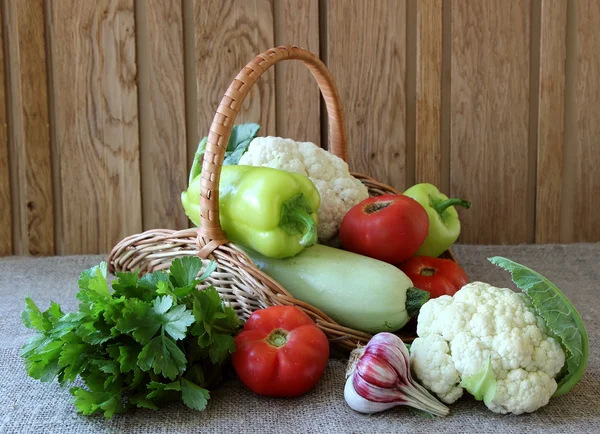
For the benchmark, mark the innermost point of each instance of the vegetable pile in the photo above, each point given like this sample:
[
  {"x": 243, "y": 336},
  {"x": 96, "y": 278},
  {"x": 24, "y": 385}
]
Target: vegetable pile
[{"x": 158, "y": 338}]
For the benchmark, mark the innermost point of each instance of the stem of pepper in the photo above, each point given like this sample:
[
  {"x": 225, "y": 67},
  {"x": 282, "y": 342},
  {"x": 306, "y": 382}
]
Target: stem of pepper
[
  {"x": 440, "y": 207},
  {"x": 310, "y": 237},
  {"x": 295, "y": 218}
]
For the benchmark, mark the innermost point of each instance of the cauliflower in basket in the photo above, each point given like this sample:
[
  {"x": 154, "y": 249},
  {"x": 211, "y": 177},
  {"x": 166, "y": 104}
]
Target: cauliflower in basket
[
  {"x": 339, "y": 190},
  {"x": 489, "y": 341}
]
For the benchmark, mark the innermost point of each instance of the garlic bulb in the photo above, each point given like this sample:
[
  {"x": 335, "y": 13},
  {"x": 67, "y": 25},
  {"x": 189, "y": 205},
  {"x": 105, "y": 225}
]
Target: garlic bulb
[{"x": 378, "y": 378}]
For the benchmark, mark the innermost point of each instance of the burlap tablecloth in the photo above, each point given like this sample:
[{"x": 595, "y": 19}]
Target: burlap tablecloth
[{"x": 29, "y": 406}]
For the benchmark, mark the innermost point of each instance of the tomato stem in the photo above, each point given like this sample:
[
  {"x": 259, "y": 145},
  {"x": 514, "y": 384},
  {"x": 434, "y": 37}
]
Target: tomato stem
[
  {"x": 427, "y": 271},
  {"x": 277, "y": 338},
  {"x": 377, "y": 206}
]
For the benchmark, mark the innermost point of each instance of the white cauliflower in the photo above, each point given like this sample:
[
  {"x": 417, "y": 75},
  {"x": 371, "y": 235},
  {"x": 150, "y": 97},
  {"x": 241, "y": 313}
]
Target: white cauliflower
[
  {"x": 489, "y": 341},
  {"x": 339, "y": 190}
]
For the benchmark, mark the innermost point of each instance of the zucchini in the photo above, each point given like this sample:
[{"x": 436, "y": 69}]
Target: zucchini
[{"x": 356, "y": 291}]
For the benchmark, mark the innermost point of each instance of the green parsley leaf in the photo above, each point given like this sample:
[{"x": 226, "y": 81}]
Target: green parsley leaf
[
  {"x": 215, "y": 324},
  {"x": 94, "y": 331},
  {"x": 42, "y": 362},
  {"x": 94, "y": 279},
  {"x": 164, "y": 288},
  {"x": 142, "y": 402},
  {"x": 177, "y": 320},
  {"x": 88, "y": 402},
  {"x": 125, "y": 283},
  {"x": 212, "y": 266},
  {"x": 220, "y": 349},
  {"x": 162, "y": 356},
  {"x": 128, "y": 285},
  {"x": 162, "y": 304},
  {"x": 139, "y": 319},
  {"x": 32, "y": 317},
  {"x": 128, "y": 357},
  {"x": 74, "y": 358},
  {"x": 184, "y": 271},
  {"x": 137, "y": 378},
  {"x": 150, "y": 281},
  {"x": 194, "y": 396},
  {"x": 206, "y": 304},
  {"x": 145, "y": 322},
  {"x": 158, "y": 390}
]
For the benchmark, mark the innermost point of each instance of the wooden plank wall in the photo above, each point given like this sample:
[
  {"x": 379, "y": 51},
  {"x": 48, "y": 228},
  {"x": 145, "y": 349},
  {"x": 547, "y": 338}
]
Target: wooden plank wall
[{"x": 102, "y": 105}]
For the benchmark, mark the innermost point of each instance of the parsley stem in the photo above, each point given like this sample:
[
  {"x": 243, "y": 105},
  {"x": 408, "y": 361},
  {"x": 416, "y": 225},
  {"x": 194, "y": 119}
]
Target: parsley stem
[{"x": 221, "y": 329}]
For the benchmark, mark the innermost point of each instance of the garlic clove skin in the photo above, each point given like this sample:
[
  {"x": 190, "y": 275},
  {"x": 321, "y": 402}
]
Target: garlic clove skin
[
  {"x": 374, "y": 393},
  {"x": 376, "y": 371},
  {"x": 391, "y": 348},
  {"x": 360, "y": 404}
]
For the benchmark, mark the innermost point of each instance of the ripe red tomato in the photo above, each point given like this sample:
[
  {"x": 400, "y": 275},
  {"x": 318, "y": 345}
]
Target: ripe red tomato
[
  {"x": 436, "y": 275},
  {"x": 280, "y": 352},
  {"x": 390, "y": 228}
]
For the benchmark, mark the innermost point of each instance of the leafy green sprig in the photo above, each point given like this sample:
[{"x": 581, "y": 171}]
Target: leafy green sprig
[{"x": 151, "y": 340}]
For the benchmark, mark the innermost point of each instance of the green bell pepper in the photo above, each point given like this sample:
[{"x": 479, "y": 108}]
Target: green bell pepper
[
  {"x": 267, "y": 210},
  {"x": 444, "y": 224}
]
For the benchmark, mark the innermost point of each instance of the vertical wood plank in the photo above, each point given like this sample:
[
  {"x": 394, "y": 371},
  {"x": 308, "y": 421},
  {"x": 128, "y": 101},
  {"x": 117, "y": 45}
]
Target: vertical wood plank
[
  {"x": 229, "y": 34},
  {"x": 366, "y": 54},
  {"x": 191, "y": 91},
  {"x": 162, "y": 112},
  {"x": 5, "y": 196},
  {"x": 95, "y": 101},
  {"x": 297, "y": 93},
  {"x": 428, "y": 148},
  {"x": 553, "y": 27},
  {"x": 31, "y": 136},
  {"x": 581, "y": 187},
  {"x": 490, "y": 120}
]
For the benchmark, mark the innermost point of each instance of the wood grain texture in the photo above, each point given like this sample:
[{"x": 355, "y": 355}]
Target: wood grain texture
[
  {"x": 490, "y": 118},
  {"x": 5, "y": 196},
  {"x": 162, "y": 113},
  {"x": 31, "y": 136},
  {"x": 95, "y": 104},
  {"x": 297, "y": 93},
  {"x": 229, "y": 34},
  {"x": 428, "y": 146},
  {"x": 366, "y": 54},
  {"x": 581, "y": 188},
  {"x": 552, "y": 53}
]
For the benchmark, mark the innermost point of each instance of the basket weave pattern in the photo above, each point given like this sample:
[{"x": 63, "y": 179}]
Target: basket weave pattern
[{"x": 236, "y": 278}]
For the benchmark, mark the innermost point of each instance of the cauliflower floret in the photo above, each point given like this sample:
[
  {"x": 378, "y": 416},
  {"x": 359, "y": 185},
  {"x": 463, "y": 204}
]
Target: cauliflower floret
[
  {"x": 432, "y": 362},
  {"x": 339, "y": 190},
  {"x": 522, "y": 392},
  {"x": 458, "y": 336}
]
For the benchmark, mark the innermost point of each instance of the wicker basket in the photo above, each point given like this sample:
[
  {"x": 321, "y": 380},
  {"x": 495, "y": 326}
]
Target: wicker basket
[{"x": 236, "y": 278}]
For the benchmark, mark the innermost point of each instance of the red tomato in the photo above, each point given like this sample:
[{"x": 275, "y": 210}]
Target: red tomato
[
  {"x": 280, "y": 352},
  {"x": 436, "y": 275},
  {"x": 390, "y": 228}
]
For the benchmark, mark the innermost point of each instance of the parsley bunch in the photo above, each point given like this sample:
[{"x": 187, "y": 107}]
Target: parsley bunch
[{"x": 151, "y": 340}]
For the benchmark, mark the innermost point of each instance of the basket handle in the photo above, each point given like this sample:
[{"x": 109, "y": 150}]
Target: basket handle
[{"x": 210, "y": 233}]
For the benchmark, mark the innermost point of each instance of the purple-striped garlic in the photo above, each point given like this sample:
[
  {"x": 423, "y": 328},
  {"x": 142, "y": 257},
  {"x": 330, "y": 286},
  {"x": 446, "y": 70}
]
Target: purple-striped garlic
[{"x": 378, "y": 378}]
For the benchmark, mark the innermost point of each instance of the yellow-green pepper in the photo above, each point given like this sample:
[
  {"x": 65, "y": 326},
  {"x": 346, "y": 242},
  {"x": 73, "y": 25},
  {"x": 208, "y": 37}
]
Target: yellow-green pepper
[
  {"x": 267, "y": 210},
  {"x": 444, "y": 224}
]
